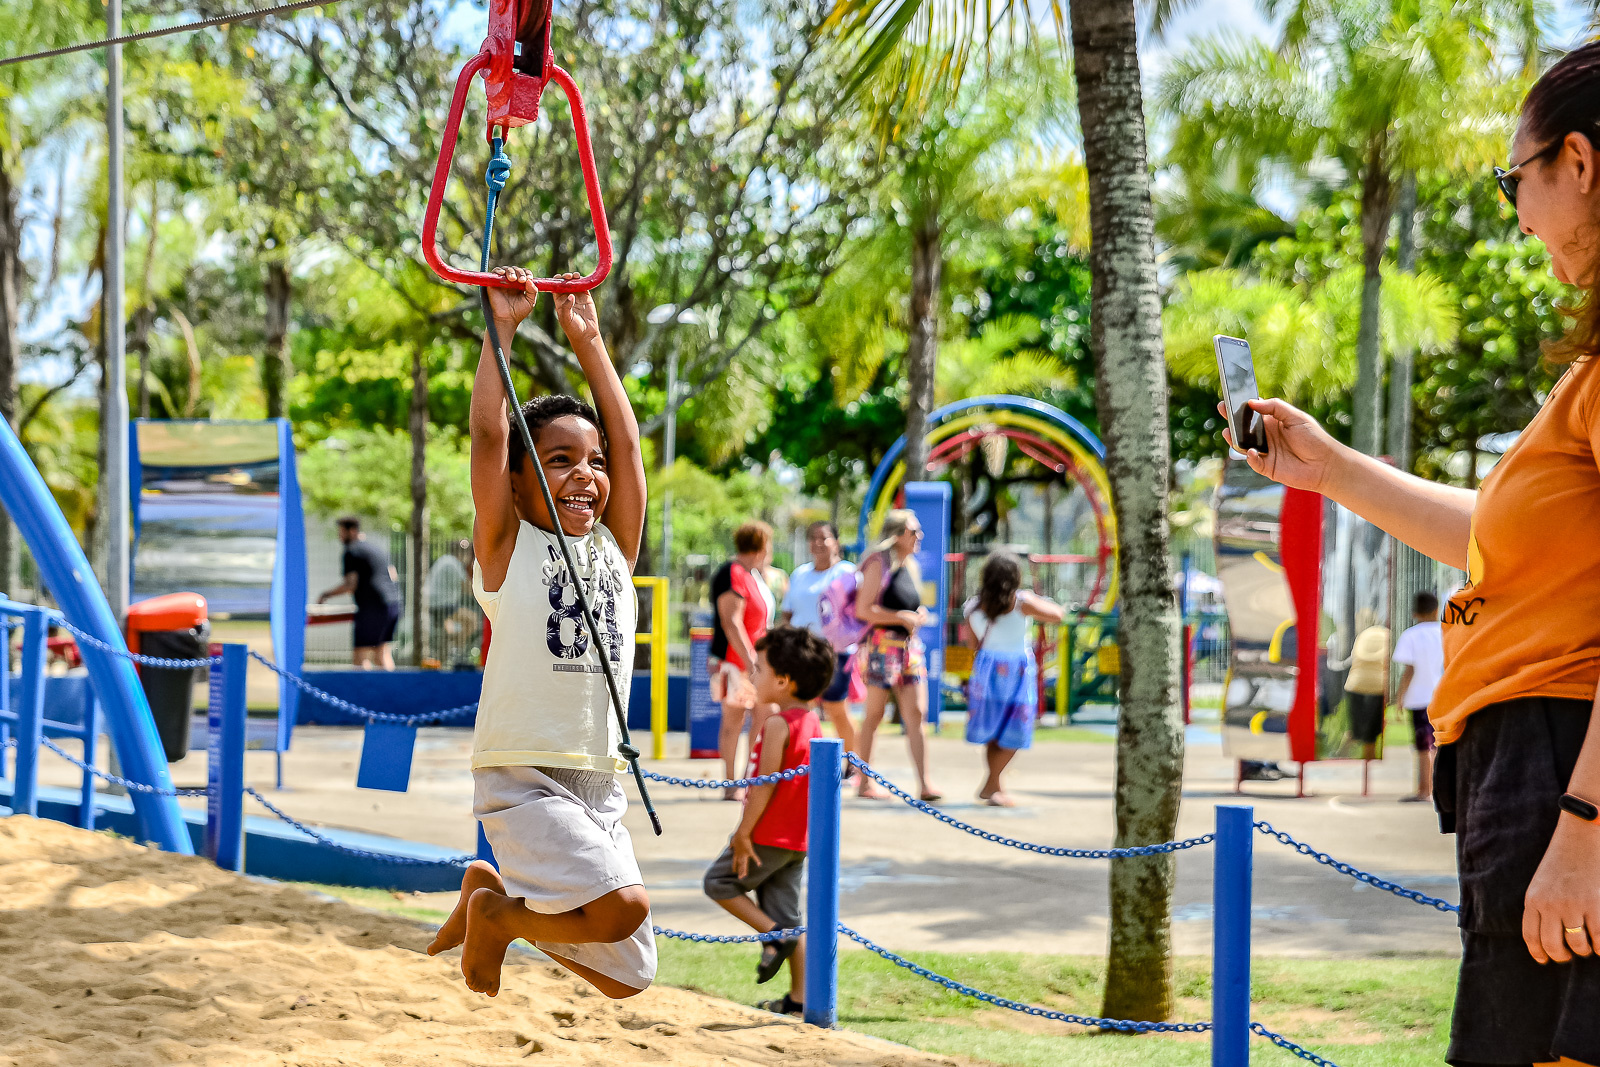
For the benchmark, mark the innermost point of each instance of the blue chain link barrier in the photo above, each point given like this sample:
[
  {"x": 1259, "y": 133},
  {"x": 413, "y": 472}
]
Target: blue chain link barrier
[
  {"x": 1011, "y": 842},
  {"x": 427, "y": 718},
  {"x": 1125, "y": 1025},
  {"x": 117, "y": 650},
  {"x": 126, "y": 783},
  {"x": 731, "y": 783},
  {"x": 1284, "y": 1043},
  {"x": 384, "y": 857},
  {"x": 731, "y": 939},
  {"x": 1359, "y": 875}
]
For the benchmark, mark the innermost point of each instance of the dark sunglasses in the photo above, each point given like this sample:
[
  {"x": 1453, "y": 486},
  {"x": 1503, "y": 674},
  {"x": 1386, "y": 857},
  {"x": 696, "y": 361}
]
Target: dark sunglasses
[{"x": 1509, "y": 179}]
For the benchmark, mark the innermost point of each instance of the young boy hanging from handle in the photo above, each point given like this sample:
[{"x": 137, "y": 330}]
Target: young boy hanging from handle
[{"x": 545, "y": 748}]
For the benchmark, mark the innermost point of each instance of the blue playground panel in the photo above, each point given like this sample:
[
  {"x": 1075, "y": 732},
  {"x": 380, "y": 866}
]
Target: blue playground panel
[{"x": 412, "y": 692}]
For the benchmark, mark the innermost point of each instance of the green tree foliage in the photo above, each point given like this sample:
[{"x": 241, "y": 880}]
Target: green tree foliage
[{"x": 352, "y": 472}]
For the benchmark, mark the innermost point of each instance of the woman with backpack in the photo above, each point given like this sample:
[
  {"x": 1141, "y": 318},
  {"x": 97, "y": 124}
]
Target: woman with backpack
[
  {"x": 889, "y": 600},
  {"x": 1003, "y": 694}
]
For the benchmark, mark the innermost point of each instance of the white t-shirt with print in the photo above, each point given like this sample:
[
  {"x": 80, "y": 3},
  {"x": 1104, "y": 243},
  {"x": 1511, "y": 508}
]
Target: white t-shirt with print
[
  {"x": 545, "y": 701},
  {"x": 806, "y": 586}
]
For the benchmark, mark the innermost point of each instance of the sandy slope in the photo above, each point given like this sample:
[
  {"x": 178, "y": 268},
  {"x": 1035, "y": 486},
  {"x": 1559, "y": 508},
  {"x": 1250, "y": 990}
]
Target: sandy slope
[{"x": 114, "y": 955}]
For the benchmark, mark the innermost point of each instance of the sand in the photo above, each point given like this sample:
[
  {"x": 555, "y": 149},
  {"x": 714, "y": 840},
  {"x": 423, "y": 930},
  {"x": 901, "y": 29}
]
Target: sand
[{"x": 116, "y": 955}]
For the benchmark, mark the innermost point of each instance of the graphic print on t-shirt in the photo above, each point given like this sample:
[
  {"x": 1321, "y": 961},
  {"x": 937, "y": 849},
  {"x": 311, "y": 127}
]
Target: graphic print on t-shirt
[{"x": 566, "y": 634}]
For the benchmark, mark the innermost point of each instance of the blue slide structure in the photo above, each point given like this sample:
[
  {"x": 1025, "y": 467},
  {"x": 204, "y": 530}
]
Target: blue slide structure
[{"x": 71, "y": 581}]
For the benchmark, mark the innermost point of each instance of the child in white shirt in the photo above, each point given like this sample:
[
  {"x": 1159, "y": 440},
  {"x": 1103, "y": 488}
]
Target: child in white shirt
[{"x": 544, "y": 759}]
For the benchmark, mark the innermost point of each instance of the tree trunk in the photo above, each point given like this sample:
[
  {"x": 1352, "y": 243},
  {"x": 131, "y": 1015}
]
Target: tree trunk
[
  {"x": 419, "y": 503},
  {"x": 922, "y": 341},
  {"x": 1401, "y": 369},
  {"x": 192, "y": 349},
  {"x": 10, "y": 283},
  {"x": 1377, "y": 209},
  {"x": 1131, "y": 397},
  {"x": 276, "y": 369}
]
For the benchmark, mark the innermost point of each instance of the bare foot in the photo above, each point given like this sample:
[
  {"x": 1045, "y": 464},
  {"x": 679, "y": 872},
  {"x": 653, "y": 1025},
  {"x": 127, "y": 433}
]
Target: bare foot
[
  {"x": 489, "y": 933},
  {"x": 869, "y": 791},
  {"x": 478, "y": 875},
  {"x": 997, "y": 799}
]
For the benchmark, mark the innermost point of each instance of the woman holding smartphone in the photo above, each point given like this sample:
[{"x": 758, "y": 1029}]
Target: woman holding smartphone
[{"x": 1516, "y": 712}]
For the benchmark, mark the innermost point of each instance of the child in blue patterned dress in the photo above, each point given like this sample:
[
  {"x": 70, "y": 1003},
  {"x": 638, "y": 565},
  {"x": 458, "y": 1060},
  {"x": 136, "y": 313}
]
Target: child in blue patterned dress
[{"x": 1003, "y": 695}]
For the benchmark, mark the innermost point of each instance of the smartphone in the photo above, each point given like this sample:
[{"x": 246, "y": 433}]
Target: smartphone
[{"x": 1238, "y": 376}]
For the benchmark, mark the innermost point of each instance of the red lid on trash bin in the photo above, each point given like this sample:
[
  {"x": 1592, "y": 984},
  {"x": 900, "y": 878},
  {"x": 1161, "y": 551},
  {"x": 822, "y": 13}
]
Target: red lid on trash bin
[{"x": 171, "y": 611}]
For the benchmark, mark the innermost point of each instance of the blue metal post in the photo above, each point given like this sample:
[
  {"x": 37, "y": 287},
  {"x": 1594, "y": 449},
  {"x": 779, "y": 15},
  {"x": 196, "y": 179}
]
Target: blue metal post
[
  {"x": 225, "y": 758},
  {"x": 29, "y": 709},
  {"x": 1230, "y": 958},
  {"x": 91, "y": 739},
  {"x": 486, "y": 850},
  {"x": 822, "y": 882},
  {"x": 931, "y": 502}
]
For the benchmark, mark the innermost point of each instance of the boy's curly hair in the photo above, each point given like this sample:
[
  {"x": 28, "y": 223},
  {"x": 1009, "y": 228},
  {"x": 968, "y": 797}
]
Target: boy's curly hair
[
  {"x": 800, "y": 656},
  {"x": 542, "y": 410}
]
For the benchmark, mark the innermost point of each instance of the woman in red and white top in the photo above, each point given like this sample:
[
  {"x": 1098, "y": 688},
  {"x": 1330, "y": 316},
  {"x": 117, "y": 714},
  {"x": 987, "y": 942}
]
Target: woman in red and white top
[{"x": 744, "y": 610}]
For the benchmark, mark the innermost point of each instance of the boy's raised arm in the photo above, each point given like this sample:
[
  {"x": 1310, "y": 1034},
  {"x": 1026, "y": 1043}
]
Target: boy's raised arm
[
  {"x": 624, "y": 515},
  {"x": 494, "y": 526}
]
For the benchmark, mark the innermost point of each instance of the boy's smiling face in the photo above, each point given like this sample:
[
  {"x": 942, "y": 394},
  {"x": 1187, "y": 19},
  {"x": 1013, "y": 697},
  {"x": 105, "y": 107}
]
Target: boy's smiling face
[{"x": 575, "y": 465}]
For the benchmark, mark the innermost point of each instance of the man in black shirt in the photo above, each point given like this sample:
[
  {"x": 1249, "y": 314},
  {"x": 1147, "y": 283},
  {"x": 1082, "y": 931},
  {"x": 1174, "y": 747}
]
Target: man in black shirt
[{"x": 375, "y": 586}]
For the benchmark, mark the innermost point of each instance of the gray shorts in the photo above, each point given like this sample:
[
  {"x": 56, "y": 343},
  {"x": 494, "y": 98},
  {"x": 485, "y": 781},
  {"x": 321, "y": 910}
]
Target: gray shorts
[
  {"x": 558, "y": 837},
  {"x": 776, "y": 882}
]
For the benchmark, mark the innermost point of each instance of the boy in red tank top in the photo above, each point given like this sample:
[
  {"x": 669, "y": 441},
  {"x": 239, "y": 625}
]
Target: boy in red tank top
[{"x": 767, "y": 852}]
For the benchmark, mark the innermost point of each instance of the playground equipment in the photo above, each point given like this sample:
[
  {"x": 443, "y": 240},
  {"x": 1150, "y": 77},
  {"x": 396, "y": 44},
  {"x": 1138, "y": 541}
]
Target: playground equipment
[
  {"x": 1301, "y": 577},
  {"x": 977, "y": 435},
  {"x": 218, "y": 512}
]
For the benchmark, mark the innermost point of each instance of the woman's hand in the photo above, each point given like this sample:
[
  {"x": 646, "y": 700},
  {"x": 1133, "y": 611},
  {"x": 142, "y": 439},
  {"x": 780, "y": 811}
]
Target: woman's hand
[
  {"x": 1564, "y": 895},
  {"x": 576, "y": 313},
  {"x": 1300, "y": 453},
  {"x": 913, "y": 620},
  {"x": 510, "y": 306}
]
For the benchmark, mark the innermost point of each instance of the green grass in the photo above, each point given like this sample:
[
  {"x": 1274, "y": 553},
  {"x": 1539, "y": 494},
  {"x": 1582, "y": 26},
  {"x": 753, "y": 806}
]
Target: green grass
[
  {"x": 1073, "y": 733},
  {"x": 1391, "y": 1012}
]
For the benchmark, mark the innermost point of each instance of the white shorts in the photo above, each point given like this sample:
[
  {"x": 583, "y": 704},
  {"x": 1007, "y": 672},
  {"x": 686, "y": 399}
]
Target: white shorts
[{"x": 559, "y": 850}]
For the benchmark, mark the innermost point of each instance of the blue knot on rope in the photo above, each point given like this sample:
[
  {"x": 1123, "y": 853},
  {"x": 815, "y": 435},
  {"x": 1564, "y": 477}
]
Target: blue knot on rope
[{"x": 499, "y": 167}]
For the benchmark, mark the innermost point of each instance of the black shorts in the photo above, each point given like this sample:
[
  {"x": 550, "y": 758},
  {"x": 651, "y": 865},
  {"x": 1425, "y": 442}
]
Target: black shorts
[
  {"x": 375, "y": 626},
  {"x": 839, "y": 688},
  {"x": 1497, "y": 787},
  {"x": 1421, "y": 729},
  {"x": 1366, "y": 716},
  {"x": 775, "y": 882}
]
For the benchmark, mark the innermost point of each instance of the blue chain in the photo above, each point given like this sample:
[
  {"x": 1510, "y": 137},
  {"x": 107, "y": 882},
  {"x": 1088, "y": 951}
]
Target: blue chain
[
  {"x": 427, "y": 718},
  {"x": 126, "y": 783},
  {"x": 731, "y": 939},
  {"x": 731, "y": 783},
  {"x": 954, "y": 986},
  {"x": 1011, "y": 842},
  {"x": 385, "y": 857},
  {"x": 118, "y": 650},
  {"x": 1284, "y": 1043},
  {"x": 1359, "y": 875}
]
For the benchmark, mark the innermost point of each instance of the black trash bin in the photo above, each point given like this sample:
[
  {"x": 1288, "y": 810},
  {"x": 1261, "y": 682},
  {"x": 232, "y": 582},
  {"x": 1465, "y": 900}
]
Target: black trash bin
[{"x": 171, "y": 690}]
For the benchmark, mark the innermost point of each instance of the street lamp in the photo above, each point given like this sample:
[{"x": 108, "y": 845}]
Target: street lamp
[{"x": 659, "y": 315}]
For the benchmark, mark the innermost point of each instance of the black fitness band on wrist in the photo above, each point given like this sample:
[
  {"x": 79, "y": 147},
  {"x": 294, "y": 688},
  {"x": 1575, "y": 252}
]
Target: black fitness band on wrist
[{"x": 1584, "y": 810}]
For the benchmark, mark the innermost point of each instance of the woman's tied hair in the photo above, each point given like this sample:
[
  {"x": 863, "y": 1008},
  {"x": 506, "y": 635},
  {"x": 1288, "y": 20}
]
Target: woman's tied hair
[
  {"x": 1566, "y": 99},
  {"x": 542, "y": 410},
  {"x": 800, "y": 656}
]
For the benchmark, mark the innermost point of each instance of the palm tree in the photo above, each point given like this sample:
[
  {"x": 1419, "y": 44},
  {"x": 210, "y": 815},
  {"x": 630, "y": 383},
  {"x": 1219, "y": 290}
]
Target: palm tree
[
  {"x": 924, "y": 45},
  {"x": 1375, "y": 90},
  {"x": 948, "y": 170}
]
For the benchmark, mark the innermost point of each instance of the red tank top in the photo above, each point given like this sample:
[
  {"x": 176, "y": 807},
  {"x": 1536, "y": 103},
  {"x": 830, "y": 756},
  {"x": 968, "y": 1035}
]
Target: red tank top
[{"x": 783, "y": 824}]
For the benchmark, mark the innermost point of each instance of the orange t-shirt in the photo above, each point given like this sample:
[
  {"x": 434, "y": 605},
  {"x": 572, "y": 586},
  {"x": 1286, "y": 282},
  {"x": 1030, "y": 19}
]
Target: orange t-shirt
[{"x": 1526, "y": 623}]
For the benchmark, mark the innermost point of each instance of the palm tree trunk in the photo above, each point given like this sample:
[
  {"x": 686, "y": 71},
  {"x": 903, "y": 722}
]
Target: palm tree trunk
[
  {"x": 419, "y": 503},
  {"x": 1131, "y": 396},
  {"x": 192, "y": 350},
  {"x": 10, "y": 275},
  {"x": 1401, "y": 369},
  {"x": 275, "y": 368},
  {"x": 922, "y": 342},
  {"x": 1377, "y": 209}
]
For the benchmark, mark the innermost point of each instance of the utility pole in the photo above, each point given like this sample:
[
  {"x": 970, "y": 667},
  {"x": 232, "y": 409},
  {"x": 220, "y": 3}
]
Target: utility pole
[{"x": 115, "y": 427}]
